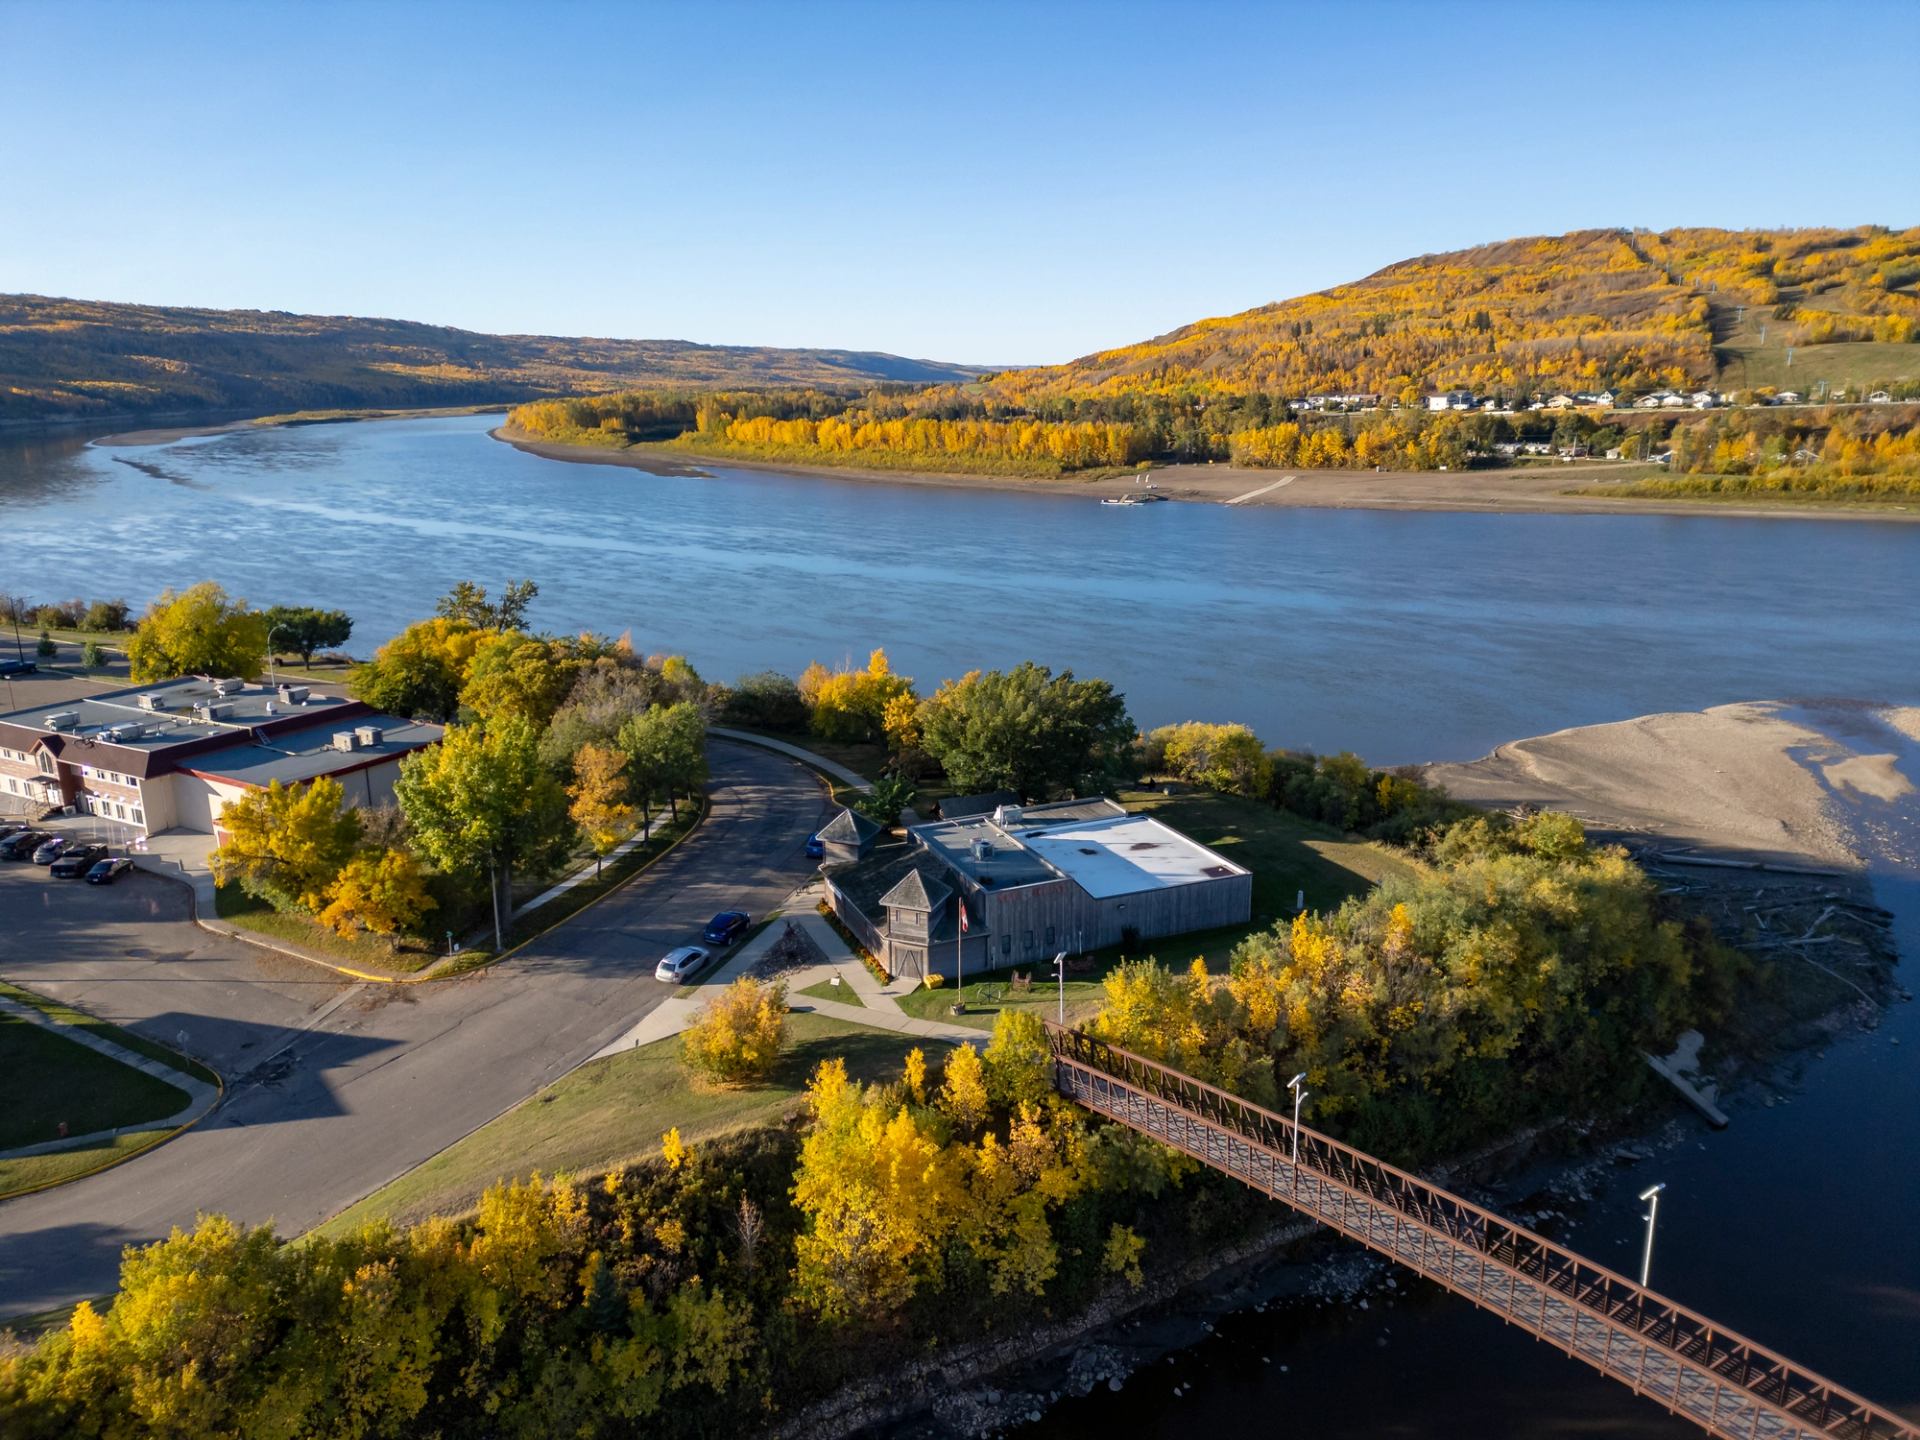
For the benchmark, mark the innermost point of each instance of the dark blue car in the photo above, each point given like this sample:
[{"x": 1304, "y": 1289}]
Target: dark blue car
[
  {"x": 727, "y": 927},
  {"x": 816, "y": 847}
]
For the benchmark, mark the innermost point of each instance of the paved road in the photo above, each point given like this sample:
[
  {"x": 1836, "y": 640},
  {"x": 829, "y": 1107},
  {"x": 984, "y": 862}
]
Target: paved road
[{"x": 335, "y": 1090}]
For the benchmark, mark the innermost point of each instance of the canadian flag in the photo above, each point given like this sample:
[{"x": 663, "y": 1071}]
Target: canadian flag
[{"x": 963, "y": 918}]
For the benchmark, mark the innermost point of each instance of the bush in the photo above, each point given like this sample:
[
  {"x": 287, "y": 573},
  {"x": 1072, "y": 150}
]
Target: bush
[
  {"x": 92, "y": 657},
  {"x": 736, "y": 1040},
  {"x": 765, "y": 701},
  {"x": 106, "y": 615},
  {"x": 46, "y": 649}
]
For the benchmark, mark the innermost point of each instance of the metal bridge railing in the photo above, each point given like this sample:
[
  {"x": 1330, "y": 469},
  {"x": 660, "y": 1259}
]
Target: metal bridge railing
[{"x": 1723, "y": 1381}]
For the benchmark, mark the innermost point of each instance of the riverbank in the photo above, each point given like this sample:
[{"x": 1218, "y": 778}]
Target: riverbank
[
  {"x": 1766, "y": 783},
  {"x": 1521, "y": 490},
  {"x": 167, "y": 435}
]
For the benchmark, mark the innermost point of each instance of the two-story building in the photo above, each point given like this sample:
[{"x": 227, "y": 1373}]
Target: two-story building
[
  {"x": 1021, "y": 884},
  {"x": 170, "y": 755}
]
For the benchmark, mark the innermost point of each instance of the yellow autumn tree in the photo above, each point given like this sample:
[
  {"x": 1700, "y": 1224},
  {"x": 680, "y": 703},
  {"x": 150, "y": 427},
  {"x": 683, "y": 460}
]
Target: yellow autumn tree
[
  {"x": 384, "y": 892},
  {"x": 963, "y": 1090},
  {"x": 601, "y": 806},
  {"x": 736, "y": 1039}
]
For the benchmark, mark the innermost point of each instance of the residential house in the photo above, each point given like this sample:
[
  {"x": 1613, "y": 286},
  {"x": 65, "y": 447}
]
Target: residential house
[{"x": 1451, "y": 400}]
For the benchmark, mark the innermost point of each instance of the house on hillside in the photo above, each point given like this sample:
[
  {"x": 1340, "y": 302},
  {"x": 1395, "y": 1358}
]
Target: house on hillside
[
  {"x": 1020, "y": 884},
  {"x": 1561, "y": 402},
  {"x": 171, "y": 755},
  {"x": 1787, "y": 397},
  {"x": 1651, "y": 402},
  {"x": 1451, "y": 400},
  {"x": 1704, "y": 399}
]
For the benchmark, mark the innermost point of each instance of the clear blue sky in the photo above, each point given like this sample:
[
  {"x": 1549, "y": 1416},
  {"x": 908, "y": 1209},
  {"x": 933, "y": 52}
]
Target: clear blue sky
[{"x": 964, "y": 181}]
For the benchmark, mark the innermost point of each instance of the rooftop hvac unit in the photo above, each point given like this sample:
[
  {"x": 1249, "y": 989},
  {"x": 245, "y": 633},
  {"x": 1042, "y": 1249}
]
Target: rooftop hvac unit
[
  {"x": 345, "y": 740},
  {"x": 214, "y": 710},
  {"x": 121, "y": 734},
  {"x": 982, "y": 849},
  {"x": 62, "y": 720},
  {"x": 229, "y": 687},
  {"x": 1006, "y": 816},
  {"x": 151, "y": 701},
  {"x": 294, "y": 694},
  {"x": 369, "y": 735}
]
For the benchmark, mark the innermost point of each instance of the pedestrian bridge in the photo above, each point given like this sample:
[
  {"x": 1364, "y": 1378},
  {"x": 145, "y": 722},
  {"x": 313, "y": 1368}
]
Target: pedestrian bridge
[{"x": 1721, "y": 1381}]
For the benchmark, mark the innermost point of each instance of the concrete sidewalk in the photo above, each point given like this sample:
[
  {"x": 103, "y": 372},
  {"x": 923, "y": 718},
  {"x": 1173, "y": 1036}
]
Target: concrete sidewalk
[
  {"x": 201, "y": 1097},
  {"x": 805, "y": 757}
]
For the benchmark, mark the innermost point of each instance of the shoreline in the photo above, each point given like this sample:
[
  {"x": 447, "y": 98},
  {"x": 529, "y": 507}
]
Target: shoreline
[
  {"x": 1527, "y": 491},
  {"x": 168, "y": 434}
]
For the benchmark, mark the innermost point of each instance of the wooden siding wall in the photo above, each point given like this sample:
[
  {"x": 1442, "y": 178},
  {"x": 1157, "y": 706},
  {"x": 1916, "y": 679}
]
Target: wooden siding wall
[{"x": 1097, "y": 923}]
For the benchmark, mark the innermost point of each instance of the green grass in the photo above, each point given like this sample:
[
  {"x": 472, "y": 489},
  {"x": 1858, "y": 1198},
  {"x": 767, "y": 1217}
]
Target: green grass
[
  {"x": 991, "y": 993},
  {"x": 1746, "y": 365},
  {"x": 126, "y": 1039},
  {"x": 373, "y": 952},
  {"x": 616, "y": 1109},
  {"x": 826, "y": 990},
  {"x": 37, "y": 1172},
  {"x": 1285, "y": 853},
  {"x": 51, "y": 1078}
]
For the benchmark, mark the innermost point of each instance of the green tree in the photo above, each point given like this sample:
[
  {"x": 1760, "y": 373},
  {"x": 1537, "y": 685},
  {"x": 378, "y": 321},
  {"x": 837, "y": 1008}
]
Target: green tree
[
  {"x": 287, "y": 844},
  {"x": 44, "y": 646},
  {"x": 198, "y": 631},
  {"x": 515, "y": 674},
  {"x": 482, "y": 805},
  {"x": 890, "y": 795},
  {"x": 103, "y": 615},
  {"x": 1018, "y": 1062},
  {"x": 468, "y": 602},
  {"x": 1027, "y": 730},
  {"x": 421, "y": 671},
  {"x": 92, "y": 656},
  {"x": 666, "y": 749},
  {"x": 305, "y": 629}
]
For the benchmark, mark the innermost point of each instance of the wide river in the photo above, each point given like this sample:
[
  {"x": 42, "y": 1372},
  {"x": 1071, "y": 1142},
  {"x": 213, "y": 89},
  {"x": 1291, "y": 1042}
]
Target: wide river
[
  {"x": 1405, "y": 636},
  {"x": 1402, "y": 635}
]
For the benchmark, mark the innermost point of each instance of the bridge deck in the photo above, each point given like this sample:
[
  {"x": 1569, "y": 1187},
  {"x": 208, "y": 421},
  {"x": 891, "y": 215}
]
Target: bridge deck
[{"x": 1724, "y": 1383}]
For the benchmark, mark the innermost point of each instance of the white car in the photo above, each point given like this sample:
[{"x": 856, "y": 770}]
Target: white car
[{"x": 676, "y": 967}]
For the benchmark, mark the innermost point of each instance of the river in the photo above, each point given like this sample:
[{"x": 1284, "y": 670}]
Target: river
[{"x": 1404, "y": 636}]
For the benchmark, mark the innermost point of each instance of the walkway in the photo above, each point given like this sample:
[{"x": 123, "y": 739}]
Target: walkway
[
  {"x": 878, "y": 1005},
  {"x": 805, "y": 757},
  {"x": 200, "y": 1095},
  {"x": 1263, "y": 490},
  {"x": 1724, "y": 1383}
]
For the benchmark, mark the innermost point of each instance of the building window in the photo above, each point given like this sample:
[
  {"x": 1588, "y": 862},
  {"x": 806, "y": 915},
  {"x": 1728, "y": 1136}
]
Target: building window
[
  {"x": 1027, "y": 941},
  {"x": 137, "y": 817},
  {"x": 1006, "y": 944},
  {"x": 1049, "y": 937}
]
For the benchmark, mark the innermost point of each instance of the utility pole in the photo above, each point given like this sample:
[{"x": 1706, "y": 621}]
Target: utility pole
[{"x": 1060, "y": 967}]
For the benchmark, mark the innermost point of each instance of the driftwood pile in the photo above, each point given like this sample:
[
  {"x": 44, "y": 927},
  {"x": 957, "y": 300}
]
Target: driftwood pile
[{"x": 794, "y": 950}]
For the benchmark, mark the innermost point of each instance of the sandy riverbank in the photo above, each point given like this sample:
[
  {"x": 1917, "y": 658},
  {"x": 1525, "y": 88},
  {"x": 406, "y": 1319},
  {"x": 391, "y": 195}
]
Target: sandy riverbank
[
  {"x": 167, "y": 435},
  {"x": 1763, "y": 780},
  {"x": 1517, "y": 491}
]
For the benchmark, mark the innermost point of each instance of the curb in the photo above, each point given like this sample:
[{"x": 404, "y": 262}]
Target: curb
[
  {"x": 369, "y": 978},
  {"x": 220, "y": 1094}
]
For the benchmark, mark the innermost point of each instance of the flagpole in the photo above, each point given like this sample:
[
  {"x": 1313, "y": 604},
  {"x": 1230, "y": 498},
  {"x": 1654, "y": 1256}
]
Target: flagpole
[{"x": 960, "y": 956}]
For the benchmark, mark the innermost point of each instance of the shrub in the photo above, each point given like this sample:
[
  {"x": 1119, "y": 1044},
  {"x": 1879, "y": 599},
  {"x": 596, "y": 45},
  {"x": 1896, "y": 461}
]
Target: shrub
[
  {"x": 106, "y": 615},
  {"x": 767, "y": 701},
  {"x": 46, "y": 649},
  {"x": 92, "y": 657},
  {"x": 736, "y": 1040}
]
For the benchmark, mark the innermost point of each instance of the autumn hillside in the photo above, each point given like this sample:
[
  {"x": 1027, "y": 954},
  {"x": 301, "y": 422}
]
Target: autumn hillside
[
  {"x": 1621, "y": 308},
  {"x": 62, "y": 359}
]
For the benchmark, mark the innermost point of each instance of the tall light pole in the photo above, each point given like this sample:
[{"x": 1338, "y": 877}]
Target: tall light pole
[
  {"x": 1299, "y": 1094},
  {"x": 1652, "y": 1195},
  {"x": 1060, "y": 968},
  {"x": 272, "y": 630}
]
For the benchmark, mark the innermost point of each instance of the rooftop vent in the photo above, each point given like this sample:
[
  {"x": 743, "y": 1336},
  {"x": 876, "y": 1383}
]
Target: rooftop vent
[
  {"x": 1218, "y": 870},
  {"x": 151, "y": 701},
  {"x": 229, "y": 687},
  {"x": 294, "y": 694},
  {"x": 1006, "y": 815},
  {"x": 62, "y": 720},
  {"x": 345, "y": 740},
  {"x": 1088, "y": 850},
  {"x": 121, "y": 734},
  {"x": 982, "y": 849},
  {"x": 369, "y": 735}
]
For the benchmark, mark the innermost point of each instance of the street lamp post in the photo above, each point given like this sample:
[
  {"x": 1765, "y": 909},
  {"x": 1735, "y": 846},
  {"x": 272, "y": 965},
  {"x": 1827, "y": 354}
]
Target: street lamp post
[
  {"x": 1652, "y": 1195},
  {"x": 1299, "y": 1094},
  {"x": 1060, "y": 969},
  {"x": 272, "y": 678}
]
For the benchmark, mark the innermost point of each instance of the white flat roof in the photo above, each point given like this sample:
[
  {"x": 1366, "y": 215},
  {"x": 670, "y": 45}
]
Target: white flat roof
[{"x": 1124, "y": 855}]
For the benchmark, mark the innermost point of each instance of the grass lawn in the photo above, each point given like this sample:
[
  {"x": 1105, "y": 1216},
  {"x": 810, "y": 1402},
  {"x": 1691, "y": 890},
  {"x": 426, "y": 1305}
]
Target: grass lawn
[
  {"x": 616, "y": 1109},
  {"x": 36, "y": 1172},
  {"x": 827, "y": 990},
  {"x": 371, "y": 951},
  {"x": 51, "y": 1078},
  {"x": 139, "y": 1044}
]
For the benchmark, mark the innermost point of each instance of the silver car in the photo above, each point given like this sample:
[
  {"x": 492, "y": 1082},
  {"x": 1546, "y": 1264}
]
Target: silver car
[{"x": 677, "y": 967}]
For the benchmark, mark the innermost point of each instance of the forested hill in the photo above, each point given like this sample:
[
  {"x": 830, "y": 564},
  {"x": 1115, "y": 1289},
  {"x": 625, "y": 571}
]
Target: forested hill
[
  {"x": 1621, "y": 308},
  {"x": 63, "y": 359}
]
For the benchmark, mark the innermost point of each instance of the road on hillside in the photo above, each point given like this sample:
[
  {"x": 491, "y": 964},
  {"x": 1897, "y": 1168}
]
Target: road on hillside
[{"x": 334, "y": 1090}]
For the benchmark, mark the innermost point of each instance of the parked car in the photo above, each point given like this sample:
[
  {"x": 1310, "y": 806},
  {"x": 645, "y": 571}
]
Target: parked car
[
  {"x": 677, "y": 967},
  {"x": 18, "y": 667},
  {"x": 727, "y": 927},
  {"x": 816, "y": 847},
  {"x": 51, "y": 849},
  {"x": 22, "y": 843},
  {"x": 12, "y": 827},
  {"x": 77, "y": 860},
  {"x": 105, "y": 872}
]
